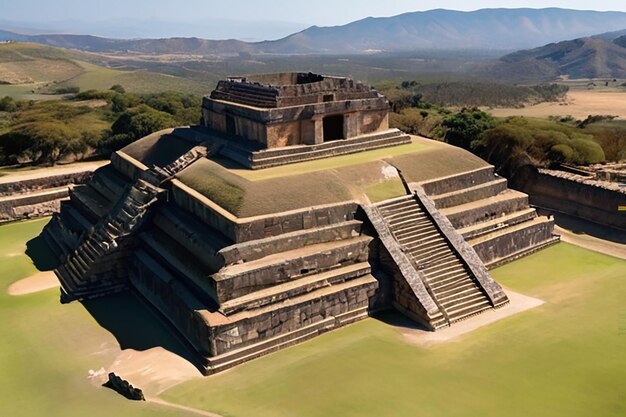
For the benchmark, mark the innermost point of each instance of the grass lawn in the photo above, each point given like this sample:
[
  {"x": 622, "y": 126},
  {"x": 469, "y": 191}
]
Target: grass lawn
[
  {"x": 332, "y": 163},
  {"x": 564, "y": 358},
  {"x": 47, "y": 349}
]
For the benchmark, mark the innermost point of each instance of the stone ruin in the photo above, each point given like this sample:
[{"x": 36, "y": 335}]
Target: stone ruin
[{"x": 239, "y": 287}]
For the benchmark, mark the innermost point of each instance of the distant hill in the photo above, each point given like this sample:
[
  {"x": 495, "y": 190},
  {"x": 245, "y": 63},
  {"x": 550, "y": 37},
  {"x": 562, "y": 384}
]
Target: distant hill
[
  {"x": 579, "y": 58},
  {"x": 500, "y": 29},
  {"x": 486, "y": 29},
  {"x": 28, "y": 70}
]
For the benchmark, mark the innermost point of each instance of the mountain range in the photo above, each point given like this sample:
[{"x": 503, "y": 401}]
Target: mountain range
[
  {"x": 485, "y": 29},
  {"x": 601, "y": 56}
]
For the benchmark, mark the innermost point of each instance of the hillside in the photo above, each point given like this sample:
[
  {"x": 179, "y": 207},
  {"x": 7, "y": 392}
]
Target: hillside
[
  {"x": 486, "y": 29},
  {"x": 579, "y": 58},
  {"x": 31, "y": 71}
]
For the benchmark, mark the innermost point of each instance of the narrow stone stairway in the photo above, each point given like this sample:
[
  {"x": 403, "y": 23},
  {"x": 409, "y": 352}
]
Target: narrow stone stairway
[
  {"x": 86, "y": 272},
  {"x": 448, "y": 279}
]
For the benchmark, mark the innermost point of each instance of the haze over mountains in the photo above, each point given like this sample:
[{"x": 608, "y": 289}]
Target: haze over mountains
[
  {"x": 486, "y": 29},
  {"x": 603, "y": 56}
]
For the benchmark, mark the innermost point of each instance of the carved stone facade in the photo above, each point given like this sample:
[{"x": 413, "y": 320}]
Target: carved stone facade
[{"x": 286, "y": 109}]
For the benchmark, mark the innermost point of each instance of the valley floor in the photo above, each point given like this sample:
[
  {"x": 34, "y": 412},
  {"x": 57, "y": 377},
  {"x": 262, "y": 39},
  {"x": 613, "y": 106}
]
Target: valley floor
[
  {"x": 562, "y": 358},
  {"x": 579, "y": 104}
]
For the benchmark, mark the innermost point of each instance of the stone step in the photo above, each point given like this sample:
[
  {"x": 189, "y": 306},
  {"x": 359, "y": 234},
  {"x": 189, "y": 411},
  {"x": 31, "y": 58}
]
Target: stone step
[
  {"x": 287, "y": 290},
  {"x": 444, "y": 283},
  {"x": 420, "y": 248},
  {"x": 228, "y": 360},
  {"x": 469, "y": 311},
  {"x": 445, "y": 265},
  {"x": 464, "y": 288},
  {"x": 81, "y": 264},
  {"x": 461, "y": 299},
  {"x": 459, "y": 181},
  {"x": 303, "y": 299},
  {"x": 448, "y": 260},
  {"x": 256, "y": 249},
  {"x": 464, "y": 304},
  {"x": 84, "y": 253},
  {"x": 513, "y": 240},
  {"x": 415, "y": 226},
  {"x": 89, "y": 202},
  {"x": 75, "y": 217},
  {"x": 320, "y": 306},
  {"x": 469, "y": 194},
  {"x": 486, "y": 209},
  {"x": 414, "y": 212},
  {"x": 234, "y": 281},
  {"x": 182, "y": 264},
  {"x": 423, "y": 238},
  {"x": 482, "y": 228},
  {"x": 392, "y": 202},
  {"x": 286, "y": 151},
  {"x": 434, "y": 256},
  {"x": 343, "y": 149}
]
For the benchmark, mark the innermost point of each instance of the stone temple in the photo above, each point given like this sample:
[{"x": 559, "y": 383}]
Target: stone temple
[{"x": 291, "y": 210}]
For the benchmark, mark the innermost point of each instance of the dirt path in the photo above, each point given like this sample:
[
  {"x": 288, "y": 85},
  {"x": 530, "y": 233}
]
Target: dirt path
[
  {"x": 153, "y": 370},
  {"x": 518, "y": 303},
  {"x": 11, "y": 175},
  {"x": 182, "y": 407},
  {"x": 35, "y": 283},
  {"x": 606, "y": 247}
]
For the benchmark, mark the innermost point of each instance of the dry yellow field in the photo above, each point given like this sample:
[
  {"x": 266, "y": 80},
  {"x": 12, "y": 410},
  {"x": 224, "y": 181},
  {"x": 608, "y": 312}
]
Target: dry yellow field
[{"x": 579, "y": 104}]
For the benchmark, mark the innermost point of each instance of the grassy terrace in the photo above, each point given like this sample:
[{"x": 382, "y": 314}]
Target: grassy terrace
[
  {"x": 246, "y": 192},
  {"x": 565, "y": 358}
]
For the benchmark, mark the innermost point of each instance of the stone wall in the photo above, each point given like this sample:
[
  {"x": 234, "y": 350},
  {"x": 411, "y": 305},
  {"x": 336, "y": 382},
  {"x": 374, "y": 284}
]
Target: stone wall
[
  {"x": 252, "y": 228},
  {"x": 574, "y": 195},
  {"x": 52, "y": 181},
  {"x": 37, "y": 197}
]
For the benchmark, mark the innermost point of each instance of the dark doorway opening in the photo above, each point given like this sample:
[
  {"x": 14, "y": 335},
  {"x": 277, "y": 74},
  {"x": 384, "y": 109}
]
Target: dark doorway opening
[
  {"x": 333, "y": 127},
  {"x": 230, "y": 125}
]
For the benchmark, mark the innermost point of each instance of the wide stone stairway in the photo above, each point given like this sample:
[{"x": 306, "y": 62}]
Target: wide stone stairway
[
  {"x": 497, "y": 221},
  {"x": 446, "y": 277}
]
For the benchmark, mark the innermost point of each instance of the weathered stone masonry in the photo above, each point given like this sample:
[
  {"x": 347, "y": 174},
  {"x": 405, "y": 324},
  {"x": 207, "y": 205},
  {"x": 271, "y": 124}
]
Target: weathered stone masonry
[{"x": 237, "y": 288}]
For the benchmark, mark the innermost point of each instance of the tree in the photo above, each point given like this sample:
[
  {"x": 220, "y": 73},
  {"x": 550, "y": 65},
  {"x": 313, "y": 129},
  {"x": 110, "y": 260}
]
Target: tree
[
  {"x": 7, "y": 104},
  {"x": 141, "y": 121},
  {"x": 118, "y": 88},
  {"x": 466, "y": 126}
]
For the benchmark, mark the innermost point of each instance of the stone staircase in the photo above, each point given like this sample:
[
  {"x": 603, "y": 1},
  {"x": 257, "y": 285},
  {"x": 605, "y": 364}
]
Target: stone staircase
[
  {"x": 89, "y": 271},
  {"x": 86, "y": 272},
  {"x": 447, "y": 278},
  {"x": 497, "y": 221}
]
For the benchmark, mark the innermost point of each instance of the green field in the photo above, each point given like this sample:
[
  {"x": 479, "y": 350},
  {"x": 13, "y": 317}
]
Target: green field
[
  {"x": 33, "y": 70},
  {"x": 564, "y": 358}
]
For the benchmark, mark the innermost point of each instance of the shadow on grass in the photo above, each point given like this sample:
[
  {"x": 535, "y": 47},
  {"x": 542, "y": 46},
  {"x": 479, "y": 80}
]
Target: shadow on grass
[
  {"x": 397, "y": 319},
  {"x": 39, "y": 252},
  {"x": 137, "y": 326}
]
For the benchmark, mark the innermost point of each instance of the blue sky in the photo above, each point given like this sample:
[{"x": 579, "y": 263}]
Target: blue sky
[
  {"x": 243, "y": 19},
  {"x": 321, "y": 12}
]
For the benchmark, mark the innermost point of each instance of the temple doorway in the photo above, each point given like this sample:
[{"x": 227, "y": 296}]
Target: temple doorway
[{"x": 333, "y": 127}]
